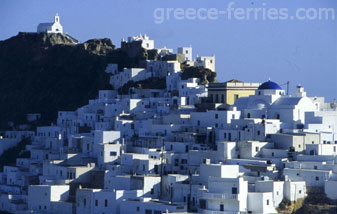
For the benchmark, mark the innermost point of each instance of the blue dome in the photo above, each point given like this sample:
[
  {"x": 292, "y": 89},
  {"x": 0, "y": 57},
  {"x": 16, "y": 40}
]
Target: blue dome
[{"x": 270, "y": 85}]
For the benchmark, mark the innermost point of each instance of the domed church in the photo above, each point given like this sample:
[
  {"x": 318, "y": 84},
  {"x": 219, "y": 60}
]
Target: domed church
[{"x": 271, "y": 102}]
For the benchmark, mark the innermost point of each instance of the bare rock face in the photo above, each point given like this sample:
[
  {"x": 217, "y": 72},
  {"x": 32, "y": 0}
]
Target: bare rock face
[
  {"x": 44, "y": 73},
  {"x": 98, "y": 46}
]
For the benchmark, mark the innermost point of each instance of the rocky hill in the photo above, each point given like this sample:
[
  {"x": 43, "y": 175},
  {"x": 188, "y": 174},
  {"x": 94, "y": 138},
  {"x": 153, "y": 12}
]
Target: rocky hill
[{"x": 44, "y": 73}]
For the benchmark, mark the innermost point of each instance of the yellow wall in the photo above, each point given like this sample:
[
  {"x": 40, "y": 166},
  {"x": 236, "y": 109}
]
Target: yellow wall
[{"x": 242, "y": 93}]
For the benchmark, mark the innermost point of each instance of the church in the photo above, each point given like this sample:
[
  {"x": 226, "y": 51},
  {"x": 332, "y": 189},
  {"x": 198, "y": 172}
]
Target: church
[{"x": 54, "y": 27}]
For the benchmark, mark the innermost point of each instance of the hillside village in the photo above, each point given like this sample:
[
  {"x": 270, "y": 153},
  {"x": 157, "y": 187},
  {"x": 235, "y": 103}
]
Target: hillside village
[{"x": 192, "y": 145}]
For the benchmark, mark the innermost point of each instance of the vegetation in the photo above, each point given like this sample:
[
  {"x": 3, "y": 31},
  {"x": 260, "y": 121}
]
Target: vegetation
[
  {"x": 204, "y": 74},
  {"x": 9, "y": 157},
  {"x": 151, "y": 83},
  {"x": 315, "y": 203}
]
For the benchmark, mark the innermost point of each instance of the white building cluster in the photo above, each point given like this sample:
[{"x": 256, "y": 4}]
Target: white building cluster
[{"x": 165, "y": 151}]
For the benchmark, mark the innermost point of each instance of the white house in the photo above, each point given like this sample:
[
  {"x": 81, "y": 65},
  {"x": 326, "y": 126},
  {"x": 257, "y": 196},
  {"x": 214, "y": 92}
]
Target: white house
[{"x": 54, "y": 27}]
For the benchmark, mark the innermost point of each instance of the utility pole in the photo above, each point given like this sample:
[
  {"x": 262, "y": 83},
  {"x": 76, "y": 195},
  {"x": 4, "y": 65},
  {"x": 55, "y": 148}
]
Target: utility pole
[{"x": 161, "y": 167}]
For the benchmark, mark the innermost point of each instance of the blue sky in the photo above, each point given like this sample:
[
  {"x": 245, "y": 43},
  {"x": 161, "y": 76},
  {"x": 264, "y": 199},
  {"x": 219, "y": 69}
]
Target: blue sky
[{"x": 299, "y": 51}]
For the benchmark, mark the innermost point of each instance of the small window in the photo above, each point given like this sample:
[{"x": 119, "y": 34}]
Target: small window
[
  {"x": 84, "y": 202},
  {"x": 216, "y": 116},
  {"x": 317, "y": 178},
  {"x": 267, "y": 202},
  {"x": 256, "y": 149},
  {"x": 148, "y": 211},
  {"x": 234, "y": 190},
  {"x": 137, "y": 209},
  {"x": 300, "y": 191},
  {"x": 96, "y": 203}
]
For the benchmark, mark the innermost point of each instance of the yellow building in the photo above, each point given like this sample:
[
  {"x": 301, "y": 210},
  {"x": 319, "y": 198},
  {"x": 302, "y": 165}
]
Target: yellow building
[{"x": 228, "y": 92}]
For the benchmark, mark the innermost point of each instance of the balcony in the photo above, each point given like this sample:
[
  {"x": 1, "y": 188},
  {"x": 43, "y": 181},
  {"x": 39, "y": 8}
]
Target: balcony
[{"x": 220, "y": 196}]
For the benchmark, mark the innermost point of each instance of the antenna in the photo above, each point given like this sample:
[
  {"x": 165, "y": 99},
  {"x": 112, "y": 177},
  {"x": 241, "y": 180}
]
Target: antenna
[{"x": 287, "y": 83}]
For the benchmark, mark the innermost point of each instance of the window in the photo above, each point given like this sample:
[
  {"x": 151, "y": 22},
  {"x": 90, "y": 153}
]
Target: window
[
  {"x": 157, "y": 212},
  {"x": 222, "y": 207},
  {"x": 113, "y": 153},
  {"x": 96, "y": 203},
  {"x": 236, "y": 96},
  {"x": 248, "y": 115},
  {"x": 176, "y": 162},
  {"x": 137, "y": 209},
  {"x": 267, "y": 202},
  {"x": 202, "y": 203},
  {"x": 300, "y": 191},
  {"x": 148, "y": 211},
  {"x": 216, "y": 116},
  {"x": 258, "y": 132},
  {"x": 256, "y": 149},
  {"x": 317, "y": 178},
  {"x": 234, "y": 190},
  {"x": 272, "y": 154},
  {"x": 84, "y": 202}
]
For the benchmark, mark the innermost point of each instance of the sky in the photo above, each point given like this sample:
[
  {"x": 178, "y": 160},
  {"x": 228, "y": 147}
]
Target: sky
[{"x": 252, "y": 50}]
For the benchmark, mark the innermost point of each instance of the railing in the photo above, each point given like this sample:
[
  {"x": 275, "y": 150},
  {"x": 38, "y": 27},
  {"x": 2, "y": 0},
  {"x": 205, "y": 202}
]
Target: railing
[
  {"x": 225, "y": 196},
  {"x": 219, "y": 212}
]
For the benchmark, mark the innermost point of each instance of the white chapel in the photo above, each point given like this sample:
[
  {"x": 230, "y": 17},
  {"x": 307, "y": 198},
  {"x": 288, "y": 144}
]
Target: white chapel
[{"x": 54, "y": 27}]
